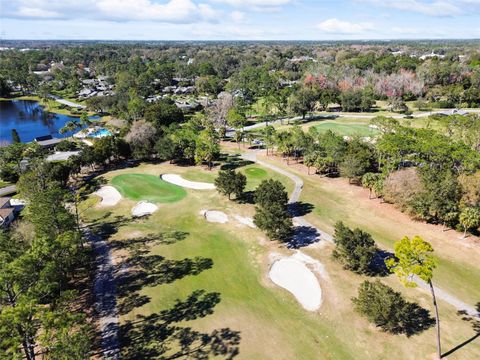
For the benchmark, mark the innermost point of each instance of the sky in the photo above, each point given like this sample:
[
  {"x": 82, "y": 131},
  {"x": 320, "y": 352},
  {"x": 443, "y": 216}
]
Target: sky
[{"x": 239, "y": 19}]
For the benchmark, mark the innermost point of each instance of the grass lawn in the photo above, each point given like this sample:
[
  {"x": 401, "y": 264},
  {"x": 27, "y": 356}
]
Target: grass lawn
[
  {"x": 173, "y": 254},
  {"x": 4, "y": 184},
  {"x": 346, "y": 129},
  {"x": 147, "y": 187},
  {"x": 335, "y": 200}
]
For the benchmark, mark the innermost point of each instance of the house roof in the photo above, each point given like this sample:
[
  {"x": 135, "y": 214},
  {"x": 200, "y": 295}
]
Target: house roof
[
  {"x": 49, "y": 142},
  {"x": 3, "y": 201},
  {"x": 4, "y": 213}
]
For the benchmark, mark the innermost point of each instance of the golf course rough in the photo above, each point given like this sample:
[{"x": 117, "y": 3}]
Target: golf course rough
[{"x": 148, "y": 188}]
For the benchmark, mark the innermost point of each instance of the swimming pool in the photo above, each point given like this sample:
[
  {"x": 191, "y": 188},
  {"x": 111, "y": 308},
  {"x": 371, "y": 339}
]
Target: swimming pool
[{"x": 99, "y": 133}]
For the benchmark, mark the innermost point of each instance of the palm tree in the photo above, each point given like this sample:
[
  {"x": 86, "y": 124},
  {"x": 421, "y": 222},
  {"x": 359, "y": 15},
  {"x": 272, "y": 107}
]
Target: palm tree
[
  {"x": 85, "y": 120},
  {"x": 368, "y": 181},
  {"x": 469, "y": 218},
  {"x": 70, "y": 126}
]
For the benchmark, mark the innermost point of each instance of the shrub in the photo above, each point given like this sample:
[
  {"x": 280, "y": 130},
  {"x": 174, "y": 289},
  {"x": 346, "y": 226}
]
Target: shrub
[
  {"x": 387, "y": 309},
  {"x": 354, "y": 248}
]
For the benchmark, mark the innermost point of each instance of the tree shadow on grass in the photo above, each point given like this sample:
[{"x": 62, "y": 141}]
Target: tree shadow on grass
[
  {"x": 475, "y": 322},
  {"x": 303, "y": 236},
  {"x": 299, "y": 208},
  {"x": 105, "y": 229},
  {"x": 248, "y": 197},
  {"x": 377, "y": 266},
  {"x": 235, "y": 163},
  {"x": 152, "y": 270},
  {"x": 417, "y": 320},
  {"x": 158, "y": 336}
]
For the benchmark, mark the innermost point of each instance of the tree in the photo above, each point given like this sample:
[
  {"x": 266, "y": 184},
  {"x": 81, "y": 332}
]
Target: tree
[
  {"x": 268, "y": 135},
  {"x": 85, "y": 120},
  {"x": 271, "y": 210},
  {"x": 141, "y": 137},
  {"x": 229, "y": 182},
  {"x": 355, "y": 249},
  {"x": 369, "y": 180},
  {"x": 15, "y": 136},
  {"x": 207, "y": 148},
  {"x": 470, "y": 219},
  {"x": 413, "y": 257},
  {"x": 163, "y": 113},
  {"x": 237, "y": 121},
  {"x": 69, "y": 127},
  {"x": 309, "y": 160},
  {"x": 388, "y": 309}
]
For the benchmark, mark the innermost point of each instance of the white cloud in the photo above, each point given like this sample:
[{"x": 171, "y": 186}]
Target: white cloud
[
  {"x": 258, "y": 3},
  {"x": 170, "y": 11},
  {"x": 238, "y": 16},
  {"x": 335, "y": 26},
  {"x": 264, "y": 6},
  {"x": 32, "y": 12}
]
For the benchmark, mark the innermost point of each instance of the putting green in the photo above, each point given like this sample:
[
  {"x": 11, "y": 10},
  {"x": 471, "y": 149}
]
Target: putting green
[
  {"x": 347, "y": 129},
  {"x": 147, "y": 187},
  {"x": 255, "y": 172}
]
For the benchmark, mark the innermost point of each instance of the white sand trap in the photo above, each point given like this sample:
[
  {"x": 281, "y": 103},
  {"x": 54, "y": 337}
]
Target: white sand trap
[
  {"x": 178, "y": 180},
  {"x": 245, "y": 221},
  {"x": 294, "y": 276},
  {"x": 215, "y": 216},
  {"x": 110, "y": 196},
  {"x": 144, "y": 208}
]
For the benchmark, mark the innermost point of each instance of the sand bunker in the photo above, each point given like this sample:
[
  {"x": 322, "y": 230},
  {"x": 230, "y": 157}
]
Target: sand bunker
[
  {"x": 110, "y": 196},
  {"x": 215, "y": 216},
  {"x": 245, "y": 221},
  {"x": 293, "y": 275},
  {"x": 178, "y": 180},
  {"x": 144, "y": 208}
]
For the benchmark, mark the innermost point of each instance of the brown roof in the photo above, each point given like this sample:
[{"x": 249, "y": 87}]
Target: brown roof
[
  {"x": 3, "y": 201},
  {"x": 4, "y": 213}
]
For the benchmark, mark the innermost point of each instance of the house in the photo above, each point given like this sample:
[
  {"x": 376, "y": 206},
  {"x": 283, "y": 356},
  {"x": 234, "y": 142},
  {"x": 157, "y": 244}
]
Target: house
[
  {"x": 7, "y": 212},
  {"x": 47, "y": 141}
]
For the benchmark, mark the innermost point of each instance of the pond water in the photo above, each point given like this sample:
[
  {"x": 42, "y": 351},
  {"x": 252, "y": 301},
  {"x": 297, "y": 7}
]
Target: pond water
[{"x": 30, "y": 120}]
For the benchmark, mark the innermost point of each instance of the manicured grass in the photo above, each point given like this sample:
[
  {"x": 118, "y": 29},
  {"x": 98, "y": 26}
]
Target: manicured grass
[
  {"x": 334, "y": 200},
  {"x": 147, "y": 187},
  {"x": 346, "y": 129},
  {"x": 200, "y": 175},
  {"x": 271, "y": 324}
]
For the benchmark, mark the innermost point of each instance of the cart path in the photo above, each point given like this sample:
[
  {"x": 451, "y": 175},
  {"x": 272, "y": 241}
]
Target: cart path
[
  {"x": 105, "y": 297},
  {"x": 300, "y": 221}
]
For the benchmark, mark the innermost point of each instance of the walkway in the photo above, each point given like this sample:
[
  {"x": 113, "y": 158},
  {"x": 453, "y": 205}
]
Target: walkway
[
  {"x": 105, "y": 301},
  {"x": 7, "y": 190},
  {"x": 67, "y": 102},
  {"x": 302, "y": 222}
]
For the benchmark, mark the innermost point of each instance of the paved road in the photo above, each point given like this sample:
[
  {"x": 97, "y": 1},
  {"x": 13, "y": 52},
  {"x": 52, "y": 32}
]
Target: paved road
[
  {"x": 8, "y": 190},
  {"x": 105, "y": 300},
  {"x": 67, "y": 102},
  {"x": 299, "y": 221}
]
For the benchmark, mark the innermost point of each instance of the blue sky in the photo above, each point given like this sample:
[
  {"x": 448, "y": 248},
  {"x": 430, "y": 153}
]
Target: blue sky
[{"x": 239, "y": 19}]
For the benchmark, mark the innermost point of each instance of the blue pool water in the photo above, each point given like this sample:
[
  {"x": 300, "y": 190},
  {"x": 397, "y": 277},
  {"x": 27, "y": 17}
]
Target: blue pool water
[
  {"x": 100, "y": 133},
  {"x": 31, "y": 120}
]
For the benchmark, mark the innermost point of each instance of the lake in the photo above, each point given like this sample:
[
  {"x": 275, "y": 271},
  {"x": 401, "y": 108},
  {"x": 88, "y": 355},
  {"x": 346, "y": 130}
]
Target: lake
[{"x": 30, "y": 120}]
